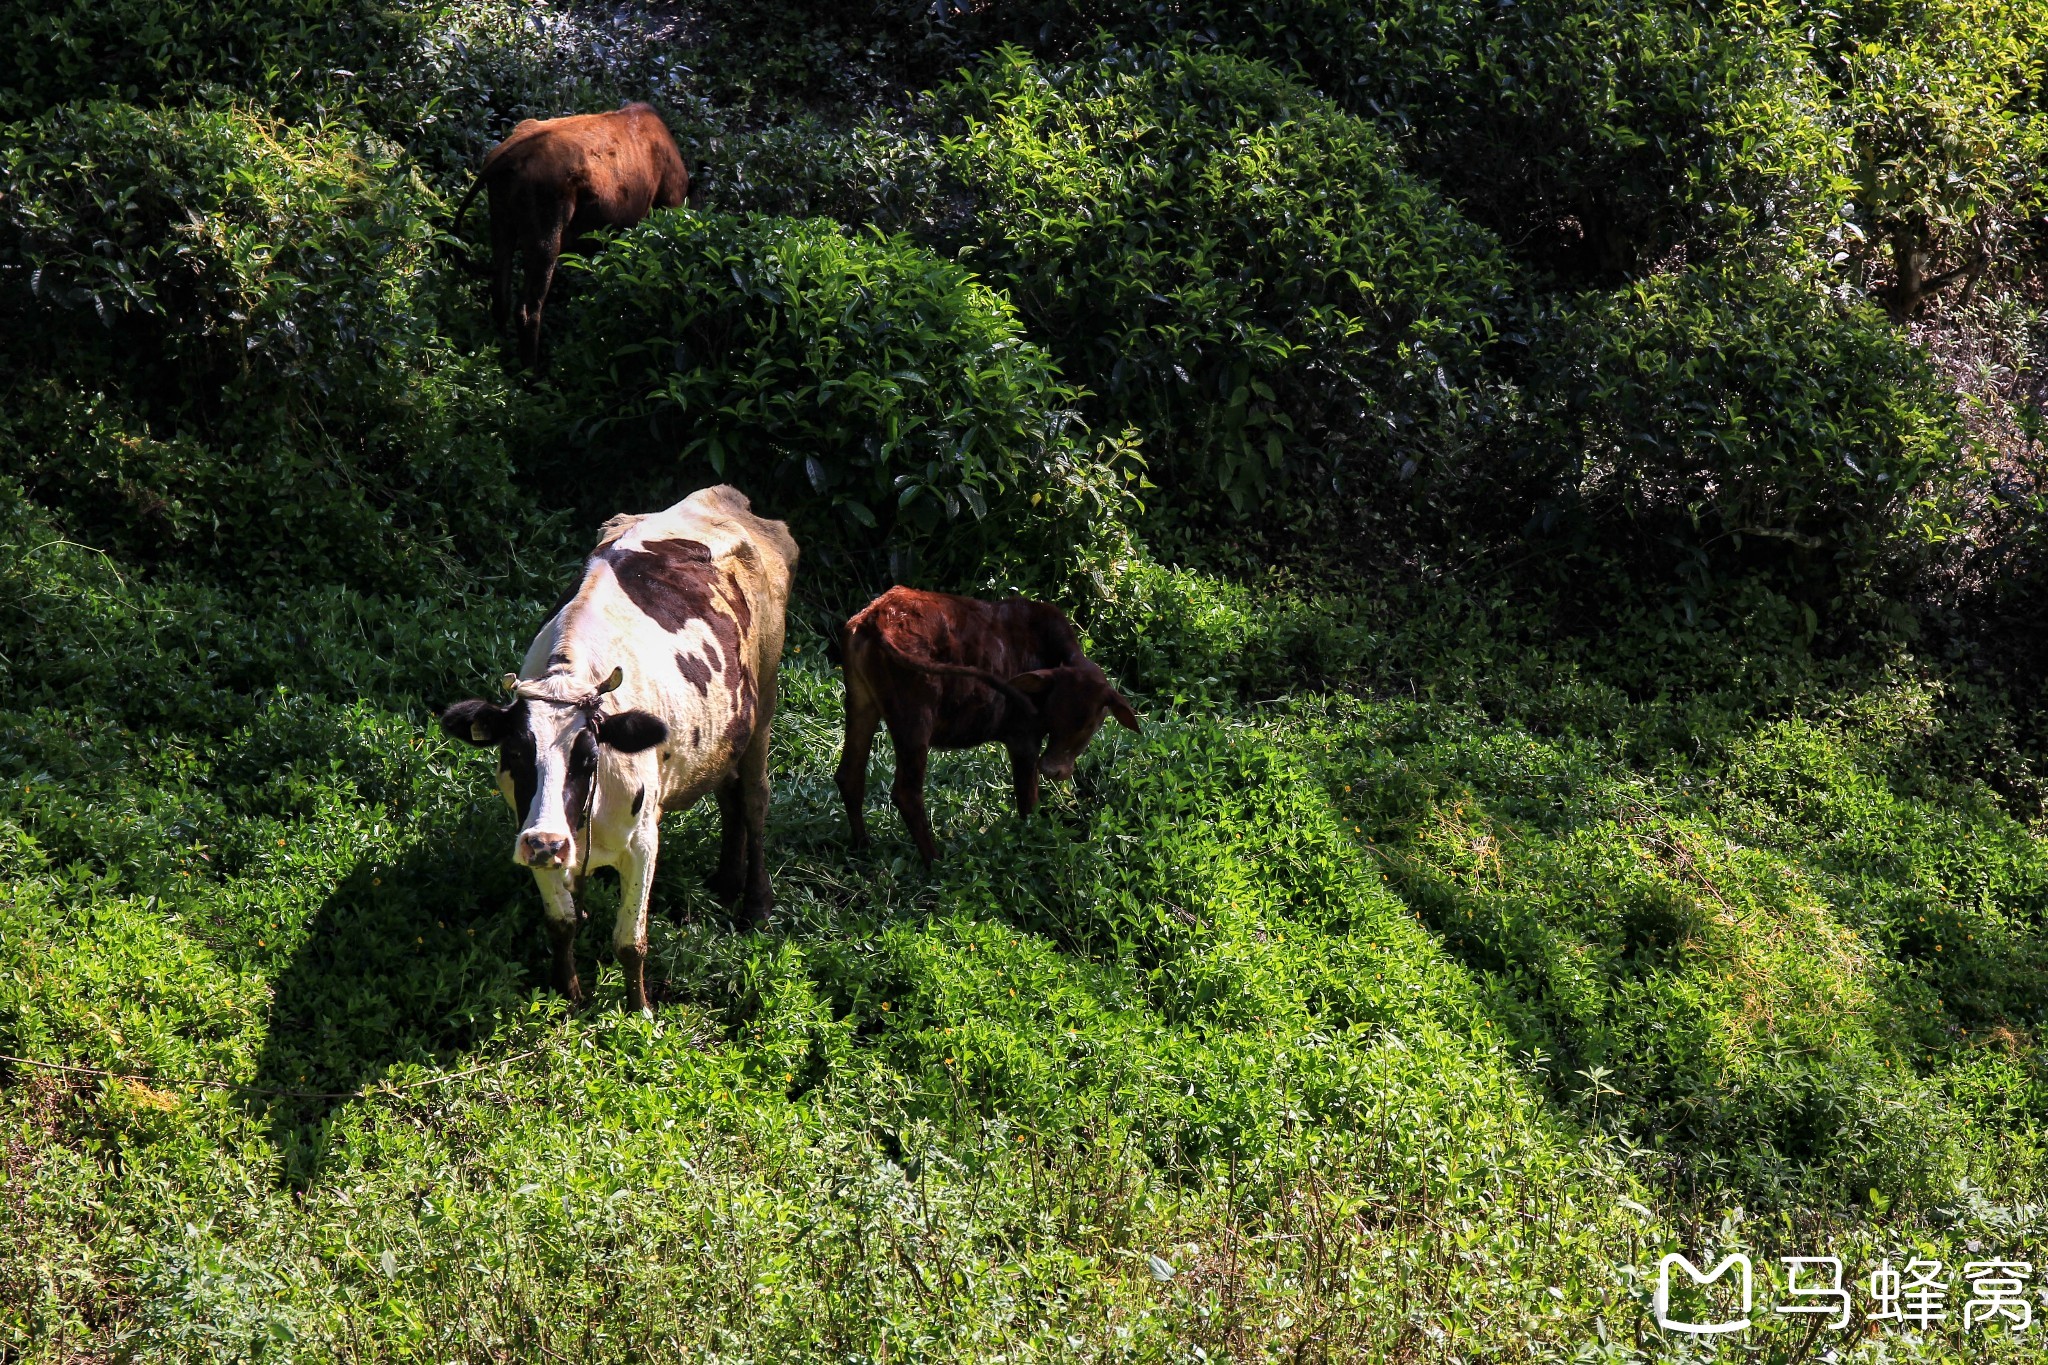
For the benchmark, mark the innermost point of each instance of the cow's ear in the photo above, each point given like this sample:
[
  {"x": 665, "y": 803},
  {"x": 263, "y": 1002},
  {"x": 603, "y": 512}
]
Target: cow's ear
[
  {"x": 481, "y": 723},
  {"x": 1121, "y": 709},
  {"x": 631, "y": 731},
  {"x": 1034, "y": 683}
]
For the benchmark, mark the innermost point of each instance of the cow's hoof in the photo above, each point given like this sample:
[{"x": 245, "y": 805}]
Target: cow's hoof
[
  {"x": 756, "y": 918},
  {"x": 725, "y": 887}
]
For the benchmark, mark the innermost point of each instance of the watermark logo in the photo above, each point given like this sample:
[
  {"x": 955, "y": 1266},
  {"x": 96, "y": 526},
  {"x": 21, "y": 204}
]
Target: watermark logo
[
  {"x": 1915, "y": 1296},
  {"x": 1663, "y": 1300}
]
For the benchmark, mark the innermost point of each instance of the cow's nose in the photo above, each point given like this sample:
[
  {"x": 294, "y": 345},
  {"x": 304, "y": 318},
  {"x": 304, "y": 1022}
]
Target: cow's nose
[
  {"x": 1056, "y": 770},
  {"x": 543, "y": 850}
]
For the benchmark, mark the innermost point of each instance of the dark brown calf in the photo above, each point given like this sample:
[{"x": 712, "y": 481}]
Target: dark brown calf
[
  {"x": 554, "y": 180},
  {"x": 951, "y": 673}
]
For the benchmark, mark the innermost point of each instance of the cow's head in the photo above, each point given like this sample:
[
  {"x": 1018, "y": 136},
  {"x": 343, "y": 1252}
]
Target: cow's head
[
  {"x": 548, "y": 740},
  {"x": 1072, "y": 702}
]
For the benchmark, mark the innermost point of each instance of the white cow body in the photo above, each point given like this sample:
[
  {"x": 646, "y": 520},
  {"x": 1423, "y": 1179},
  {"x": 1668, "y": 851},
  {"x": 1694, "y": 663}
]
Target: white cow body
[{"x": 681, "y": 612}]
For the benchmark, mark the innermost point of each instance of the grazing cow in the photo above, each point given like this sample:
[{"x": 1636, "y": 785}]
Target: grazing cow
[
  {"x": 951, "y": 673},
  {"x": 555, "y": 179},
  {"x": 653, "y": 684}
]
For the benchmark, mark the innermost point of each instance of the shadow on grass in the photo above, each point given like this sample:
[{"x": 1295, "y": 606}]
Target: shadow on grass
[{"x": 408, "y": 961}]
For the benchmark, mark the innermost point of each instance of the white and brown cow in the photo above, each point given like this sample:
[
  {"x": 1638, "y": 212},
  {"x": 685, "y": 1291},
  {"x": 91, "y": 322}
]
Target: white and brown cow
[{"x": 652, "y": 685}]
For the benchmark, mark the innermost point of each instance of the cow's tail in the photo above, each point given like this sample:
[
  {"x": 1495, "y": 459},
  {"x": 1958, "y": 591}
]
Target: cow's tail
[
  {"x": 455, "y": 226},
  {"x": 959, "y": 671}
]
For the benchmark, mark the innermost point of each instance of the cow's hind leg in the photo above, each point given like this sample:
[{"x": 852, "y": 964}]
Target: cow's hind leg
[
  {"x": 730, "y": 878},
  {"x": 543, "y": 248},
  {"x": 558, "y": 902},
  {"x": 629, "y": 932},
  {"x": 862, "y": 716},
  {"x": 913, "y": 750},
  {"x": 758, "y": 900}
]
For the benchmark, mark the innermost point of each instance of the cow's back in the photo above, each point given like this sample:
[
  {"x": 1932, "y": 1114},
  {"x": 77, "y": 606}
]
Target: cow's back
[
  {"x": 615, "y": 164},
  {"x": 689, "y": 602}
]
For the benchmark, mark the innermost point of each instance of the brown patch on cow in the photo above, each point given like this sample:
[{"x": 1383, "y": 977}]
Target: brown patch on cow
[
  {"x": 676, "y": 582},
  {"x": 696, "y": 670},
  {"x": 740, "y": 728}
]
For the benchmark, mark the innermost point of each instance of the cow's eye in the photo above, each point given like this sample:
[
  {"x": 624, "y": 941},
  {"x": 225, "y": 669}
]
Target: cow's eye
[{"x": 583, "y": 753}]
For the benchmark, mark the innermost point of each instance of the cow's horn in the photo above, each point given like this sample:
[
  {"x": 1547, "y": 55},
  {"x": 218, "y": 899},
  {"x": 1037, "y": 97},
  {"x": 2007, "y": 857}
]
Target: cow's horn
[
  {"x": 511, "y": 681},
  {"x": 611, "y": 684}
]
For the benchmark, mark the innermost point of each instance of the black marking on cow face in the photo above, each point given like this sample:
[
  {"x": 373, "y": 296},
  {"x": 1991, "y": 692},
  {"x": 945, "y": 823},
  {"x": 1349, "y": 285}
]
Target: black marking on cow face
[
  {"x": 582, "y": 771},
  {"x": 639, "y": 796},
  {"x": 518, "y": 760},
  {"x": 696, "y": 670}
]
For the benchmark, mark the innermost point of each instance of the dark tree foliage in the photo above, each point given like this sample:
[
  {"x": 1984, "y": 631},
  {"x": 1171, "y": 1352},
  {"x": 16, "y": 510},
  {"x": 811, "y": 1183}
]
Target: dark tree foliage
[
  {"x": 1229, "y": 262},
  {"x": 219, "y": 346},
  {"x": 1718, "y": 426}
]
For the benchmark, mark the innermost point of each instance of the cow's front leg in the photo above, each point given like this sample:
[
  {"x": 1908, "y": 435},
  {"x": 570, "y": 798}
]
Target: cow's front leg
[
  {"x": 1024, "y": 776},
  {"x": 629, "y": 933},
  {"x": 558, "y": 902}
]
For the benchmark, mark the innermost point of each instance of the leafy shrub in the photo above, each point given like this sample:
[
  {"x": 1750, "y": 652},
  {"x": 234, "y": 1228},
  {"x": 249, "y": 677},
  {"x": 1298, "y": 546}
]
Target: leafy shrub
[
  {"x": 221, "y": 347},
  {"x": 1718, "y": 424},
  {"x": 853, "y": 52},
  {"x": 165, "y": 50},
  {"x": 1593, "y": 137},
  {"x": 870, "y": 391},
  {"x": 1231, "y": 263},
  {"x": 1940, "y": 102}
]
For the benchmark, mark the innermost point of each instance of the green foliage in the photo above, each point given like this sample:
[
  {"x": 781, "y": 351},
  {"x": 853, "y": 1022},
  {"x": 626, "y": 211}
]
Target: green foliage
[
  {"x": 1241, "y": 270},
  {"x": 1420, "y": 975},
  {"x": 152, "y": 50},
  {"x": 1940, "y": 102},
  {"x": 866, "y": 389},
  {"x": 1592, "y": 137},
  {"x": 221, "y": 349},
  {"x": 1770, "y": 969},
  {"x": 1717, "y": 425}
]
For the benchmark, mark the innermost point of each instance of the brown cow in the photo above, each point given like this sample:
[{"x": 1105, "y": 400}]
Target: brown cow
[
  {"x": 951, "y": 673},
  {"x": 554, "y": 180}
]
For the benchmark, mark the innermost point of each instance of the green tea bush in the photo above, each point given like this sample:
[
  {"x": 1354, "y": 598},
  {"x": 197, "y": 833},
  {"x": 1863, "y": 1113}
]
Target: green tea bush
[
  {"x": 1238, "y": 268},
  {"x": 1940, "y": 102},
  {"x": 140, "y": 649},
  {"x": 165, "y": 50},
  {"x": 1716, "y": 425},
  {"x": 1769, "y": 964},
  {"x": 222, "y": 348},
  {"x": 1594, "y": 138},
  {"x": 873, "y": 393}
]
